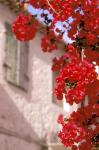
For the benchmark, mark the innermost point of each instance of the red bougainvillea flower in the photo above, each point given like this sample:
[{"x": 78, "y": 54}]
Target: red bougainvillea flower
[
  {"x": 77, "y": 77},
  {"x": 71, "y": 134},
  {"x": 60, "y": 119},
  {"x": 58, "y": 63},
  {"x": 86, "y": 116},
  {"x": 93, "y": 93},
  {"x": 73, "y": 80},
  {"x": 48, "y": 42},
  {"x": 91, "y": 39},
  {"x": 62, "y": 10},
  {"x": 39, "y": 4},
  {"x": 73, "y": 51},
  {"x": 76, "y": 94},
  {"x": 92, "y": 56},
  {"x": 77, "y": 131},
  {"x": 24, "y": 27},
  {"x": 86, "y": 146},
  {"x": 85, "y": 25},
  {"x": 71, "y": 56}
]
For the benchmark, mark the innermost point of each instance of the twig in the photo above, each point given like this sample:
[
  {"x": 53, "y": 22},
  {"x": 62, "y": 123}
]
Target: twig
[
  {"x": 82, "y": 54},
  {"x": 52, "y": 7},
  {"x": 82, "y": 58}
]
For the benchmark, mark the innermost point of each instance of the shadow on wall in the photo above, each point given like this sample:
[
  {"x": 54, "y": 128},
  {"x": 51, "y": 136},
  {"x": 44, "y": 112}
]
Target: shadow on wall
[{"x": 13, "y": 124}]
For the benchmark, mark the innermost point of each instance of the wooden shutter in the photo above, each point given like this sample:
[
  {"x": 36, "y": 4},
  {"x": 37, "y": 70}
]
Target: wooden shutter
[
  {"x": 23, "y": 71},
  {"x": 16, "y": 60},
  {"x": 10, "y": 56}
]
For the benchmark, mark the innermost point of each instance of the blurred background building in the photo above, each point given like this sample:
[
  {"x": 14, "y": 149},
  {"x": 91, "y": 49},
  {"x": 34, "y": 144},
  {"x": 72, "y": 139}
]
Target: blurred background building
[{"x": 28, "y": 110}]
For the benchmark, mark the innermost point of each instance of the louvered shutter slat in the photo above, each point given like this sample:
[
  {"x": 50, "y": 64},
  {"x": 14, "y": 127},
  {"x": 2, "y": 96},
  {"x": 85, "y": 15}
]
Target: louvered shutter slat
[
  {"x": 23, "y": 73},
  {"x": 11, "y": 56}
]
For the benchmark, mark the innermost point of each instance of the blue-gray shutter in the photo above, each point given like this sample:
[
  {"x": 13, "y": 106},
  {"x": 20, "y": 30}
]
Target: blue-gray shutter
[
  {"x": 10, "y": 55},
  {"x": 16, "y": 60},
  {"x": 23, "y": 71}
]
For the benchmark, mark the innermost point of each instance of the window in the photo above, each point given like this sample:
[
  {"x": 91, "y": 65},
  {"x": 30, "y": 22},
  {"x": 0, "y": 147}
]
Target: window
[{"x": 16, "y": 60}]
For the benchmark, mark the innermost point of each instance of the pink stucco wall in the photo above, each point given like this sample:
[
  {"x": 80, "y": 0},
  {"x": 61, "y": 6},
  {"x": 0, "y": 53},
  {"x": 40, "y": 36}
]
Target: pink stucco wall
[{"x": 31, "y": 116}]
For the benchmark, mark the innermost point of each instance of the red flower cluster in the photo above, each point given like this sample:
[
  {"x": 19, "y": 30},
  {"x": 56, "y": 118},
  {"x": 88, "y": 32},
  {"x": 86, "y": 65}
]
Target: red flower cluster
[
  {"x": 48, "y": 42},
  {"x": 77, "y": 77},
  {"x": 61, "y": 9},
  {"x": 86, "y": 116},
  {"x": 73, "y": 80},
  {"x": 24, "y": 27},
  {"x": 76, "y": 133},
  {"x": 70, "y": 133},
  {"x": 71, "y": 56},
  {"x": 58, "y": 63},
  {"x": 92, "y": 56},
  {"x": 38, "y": 4},
  {"x": 93, "y": 92},
  {"x": 86, "y": 23}
]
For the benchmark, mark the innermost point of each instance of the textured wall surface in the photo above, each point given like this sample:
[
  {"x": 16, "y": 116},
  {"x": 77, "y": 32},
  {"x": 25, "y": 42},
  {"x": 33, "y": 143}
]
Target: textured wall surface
[{"x": 26, "y": 117}]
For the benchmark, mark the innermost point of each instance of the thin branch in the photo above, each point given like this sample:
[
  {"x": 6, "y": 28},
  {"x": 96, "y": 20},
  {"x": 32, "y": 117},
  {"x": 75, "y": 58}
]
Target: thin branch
[
  {"x": 82, "y": 54},
  {"x": 52, "y": 7}
]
